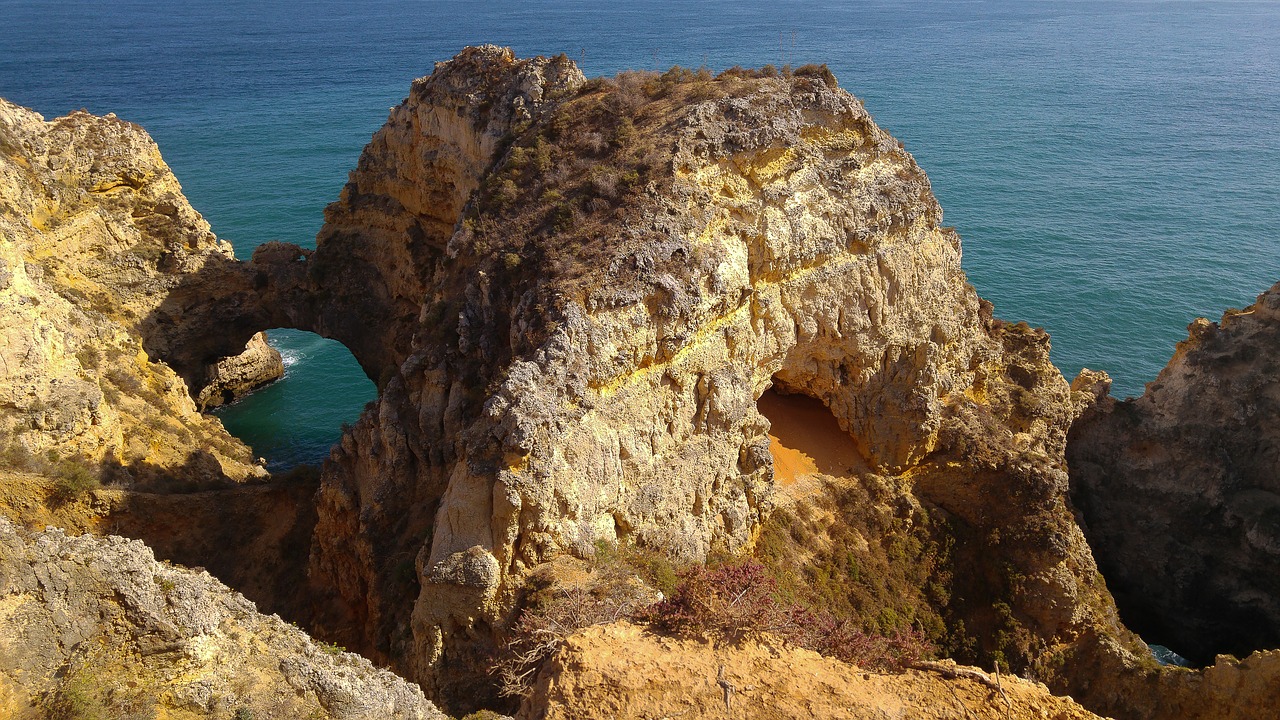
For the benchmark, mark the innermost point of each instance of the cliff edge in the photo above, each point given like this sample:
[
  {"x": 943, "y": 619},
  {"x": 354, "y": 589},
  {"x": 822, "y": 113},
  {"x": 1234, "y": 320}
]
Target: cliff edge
[
  {"x": 1180, "y": 493},
  {"x": 95, "y": 627},
  {"x": 96, "y": 234}
]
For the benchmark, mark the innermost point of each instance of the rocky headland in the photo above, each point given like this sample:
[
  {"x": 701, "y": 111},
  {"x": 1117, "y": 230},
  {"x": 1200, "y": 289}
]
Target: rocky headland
[
  {"x": 621, "y": 327},
  {"x": 96, "y": 235},
  {"x": 1180, "y": 488}
]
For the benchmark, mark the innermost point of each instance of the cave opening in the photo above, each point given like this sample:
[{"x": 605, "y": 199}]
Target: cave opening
[
  {"x": 805, "y": 439},
  {"x": 297, "y": 419}
]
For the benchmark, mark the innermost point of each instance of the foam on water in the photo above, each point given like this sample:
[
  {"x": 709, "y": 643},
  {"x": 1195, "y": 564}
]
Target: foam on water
[{"x": 289, "y": 357}]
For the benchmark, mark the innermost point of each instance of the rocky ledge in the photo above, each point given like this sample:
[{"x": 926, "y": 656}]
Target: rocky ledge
[
  {"x": 95, "y": 627},
  {"x": 620, "y": 671}
]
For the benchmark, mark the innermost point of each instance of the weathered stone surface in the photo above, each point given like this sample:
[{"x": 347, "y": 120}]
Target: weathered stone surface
[
  {"x": 571, "y": 295},
  {"x": 1180, "y": 489},
  {"x": 1131, "y": 688},
  {"x": 238, "y": 375},
  {"x": 573, "y": 354},
  {"x": 620, "y": 671},
  {"x": 94, "y": 236},
  {"x": 98, "y": 622}
]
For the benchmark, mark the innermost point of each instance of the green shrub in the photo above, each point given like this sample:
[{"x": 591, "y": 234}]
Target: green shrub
[
  {"x": 72, "y": 481},
  {"x": 88, "y": 357},
  {"x": 17, "y": 457},
  {"x": 125, "y": 381},
  {"x": 76, "y": 700}
]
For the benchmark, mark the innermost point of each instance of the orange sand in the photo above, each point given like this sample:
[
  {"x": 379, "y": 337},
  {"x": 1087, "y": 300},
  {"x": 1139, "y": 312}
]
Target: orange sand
[{"x": 805, "y": 439}]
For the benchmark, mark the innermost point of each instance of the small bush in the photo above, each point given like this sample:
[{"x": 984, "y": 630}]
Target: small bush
[
  {"x": 821, "y": 72},
  {"x": 72, "y": 481},
  {"x": 734, "y": 597},
  {"x": 165, "y": 584},
  {"x": 76, "y": 700},
  {"x": 541, "y": 628},
  {"x": 123, "y": 380},
  {"x": 89, "y": 358},
  {"x": 18, "y": 457}
]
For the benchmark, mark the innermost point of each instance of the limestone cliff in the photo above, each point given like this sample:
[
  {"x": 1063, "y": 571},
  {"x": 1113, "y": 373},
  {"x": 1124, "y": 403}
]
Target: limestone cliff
[
  {"x": 573, "y": 294},
  {"x": 1180, "y": 492},
  {"x": 95, "y": 627},
  {"x": 94, "y": 234}
]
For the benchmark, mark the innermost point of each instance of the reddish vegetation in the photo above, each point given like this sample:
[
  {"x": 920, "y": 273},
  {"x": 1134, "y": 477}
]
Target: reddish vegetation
[{"x": 743, "y": 596}]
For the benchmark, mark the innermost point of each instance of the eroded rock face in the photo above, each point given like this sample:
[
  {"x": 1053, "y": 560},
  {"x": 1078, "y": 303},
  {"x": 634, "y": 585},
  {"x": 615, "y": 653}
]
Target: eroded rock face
[
  {"x": 1129, "y": 688},
  {"x": 1180, "y": 489},
  {"x": 571, "y": 295},
  {"x": 238, "y": 375},
  {"x": 576, "y": 292},
  {"x": 97, "y": 624},
  {"x": 95, "y": 234}
]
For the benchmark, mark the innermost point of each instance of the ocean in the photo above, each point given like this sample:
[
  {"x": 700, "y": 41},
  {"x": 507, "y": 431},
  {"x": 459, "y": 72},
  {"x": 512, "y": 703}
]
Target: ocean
[{"x": 1113, "y": 167}]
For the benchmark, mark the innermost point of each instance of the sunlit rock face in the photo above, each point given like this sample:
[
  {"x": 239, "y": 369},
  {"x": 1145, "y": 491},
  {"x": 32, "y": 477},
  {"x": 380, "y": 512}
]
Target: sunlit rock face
[
  {"x": 95, "y": 237},
  {"x": 573, "y": 293}
]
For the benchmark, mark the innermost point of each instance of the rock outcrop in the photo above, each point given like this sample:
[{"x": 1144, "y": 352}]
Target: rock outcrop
[
  {"x": 95, "y": 234},
  {"x": 235, "y": 376},
  {"x": 620, "y": 671},
  {"x": 1180, "y": 488},
  {"x": 573, "y": 293},
  {"x": 95, "y": 627}
]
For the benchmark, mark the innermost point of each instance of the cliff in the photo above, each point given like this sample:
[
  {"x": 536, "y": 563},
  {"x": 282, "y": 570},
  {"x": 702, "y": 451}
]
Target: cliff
[
  {"x": 586, "y": 304},
  {"x": 620, "y": 671},
  {"x": 96, "y": 235},
  {"x": 1180, "y": 493},
  {"x": 573, "y": 294},
  {"x": 95, "y": 627}
]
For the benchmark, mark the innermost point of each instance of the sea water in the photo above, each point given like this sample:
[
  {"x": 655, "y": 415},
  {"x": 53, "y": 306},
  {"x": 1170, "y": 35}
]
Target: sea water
[{"x": 1113, "y": 166}]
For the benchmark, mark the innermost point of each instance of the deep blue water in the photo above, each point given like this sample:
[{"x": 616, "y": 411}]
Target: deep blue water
[{"x": 1112, "y": 166}]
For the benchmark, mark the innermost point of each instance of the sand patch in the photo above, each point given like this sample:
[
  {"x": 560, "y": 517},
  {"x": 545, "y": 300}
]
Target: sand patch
[{"x": 806, "y": 440}]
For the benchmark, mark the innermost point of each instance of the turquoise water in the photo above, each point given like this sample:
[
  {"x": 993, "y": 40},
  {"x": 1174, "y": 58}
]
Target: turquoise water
[{"x": 1113, "y": 167}]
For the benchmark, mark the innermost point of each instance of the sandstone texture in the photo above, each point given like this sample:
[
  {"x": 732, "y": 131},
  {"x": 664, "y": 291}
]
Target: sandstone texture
[
  {"x": 94, "y": 235},
  {"x": 620, "y": 671},
  {"x": 1180, "y": 488},
  {"x": 96, "y": 626},
  {"x": 582, "y": 302},
  {"x": 573, "y": 293},
  {"x": 1137, "y": 689}
]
